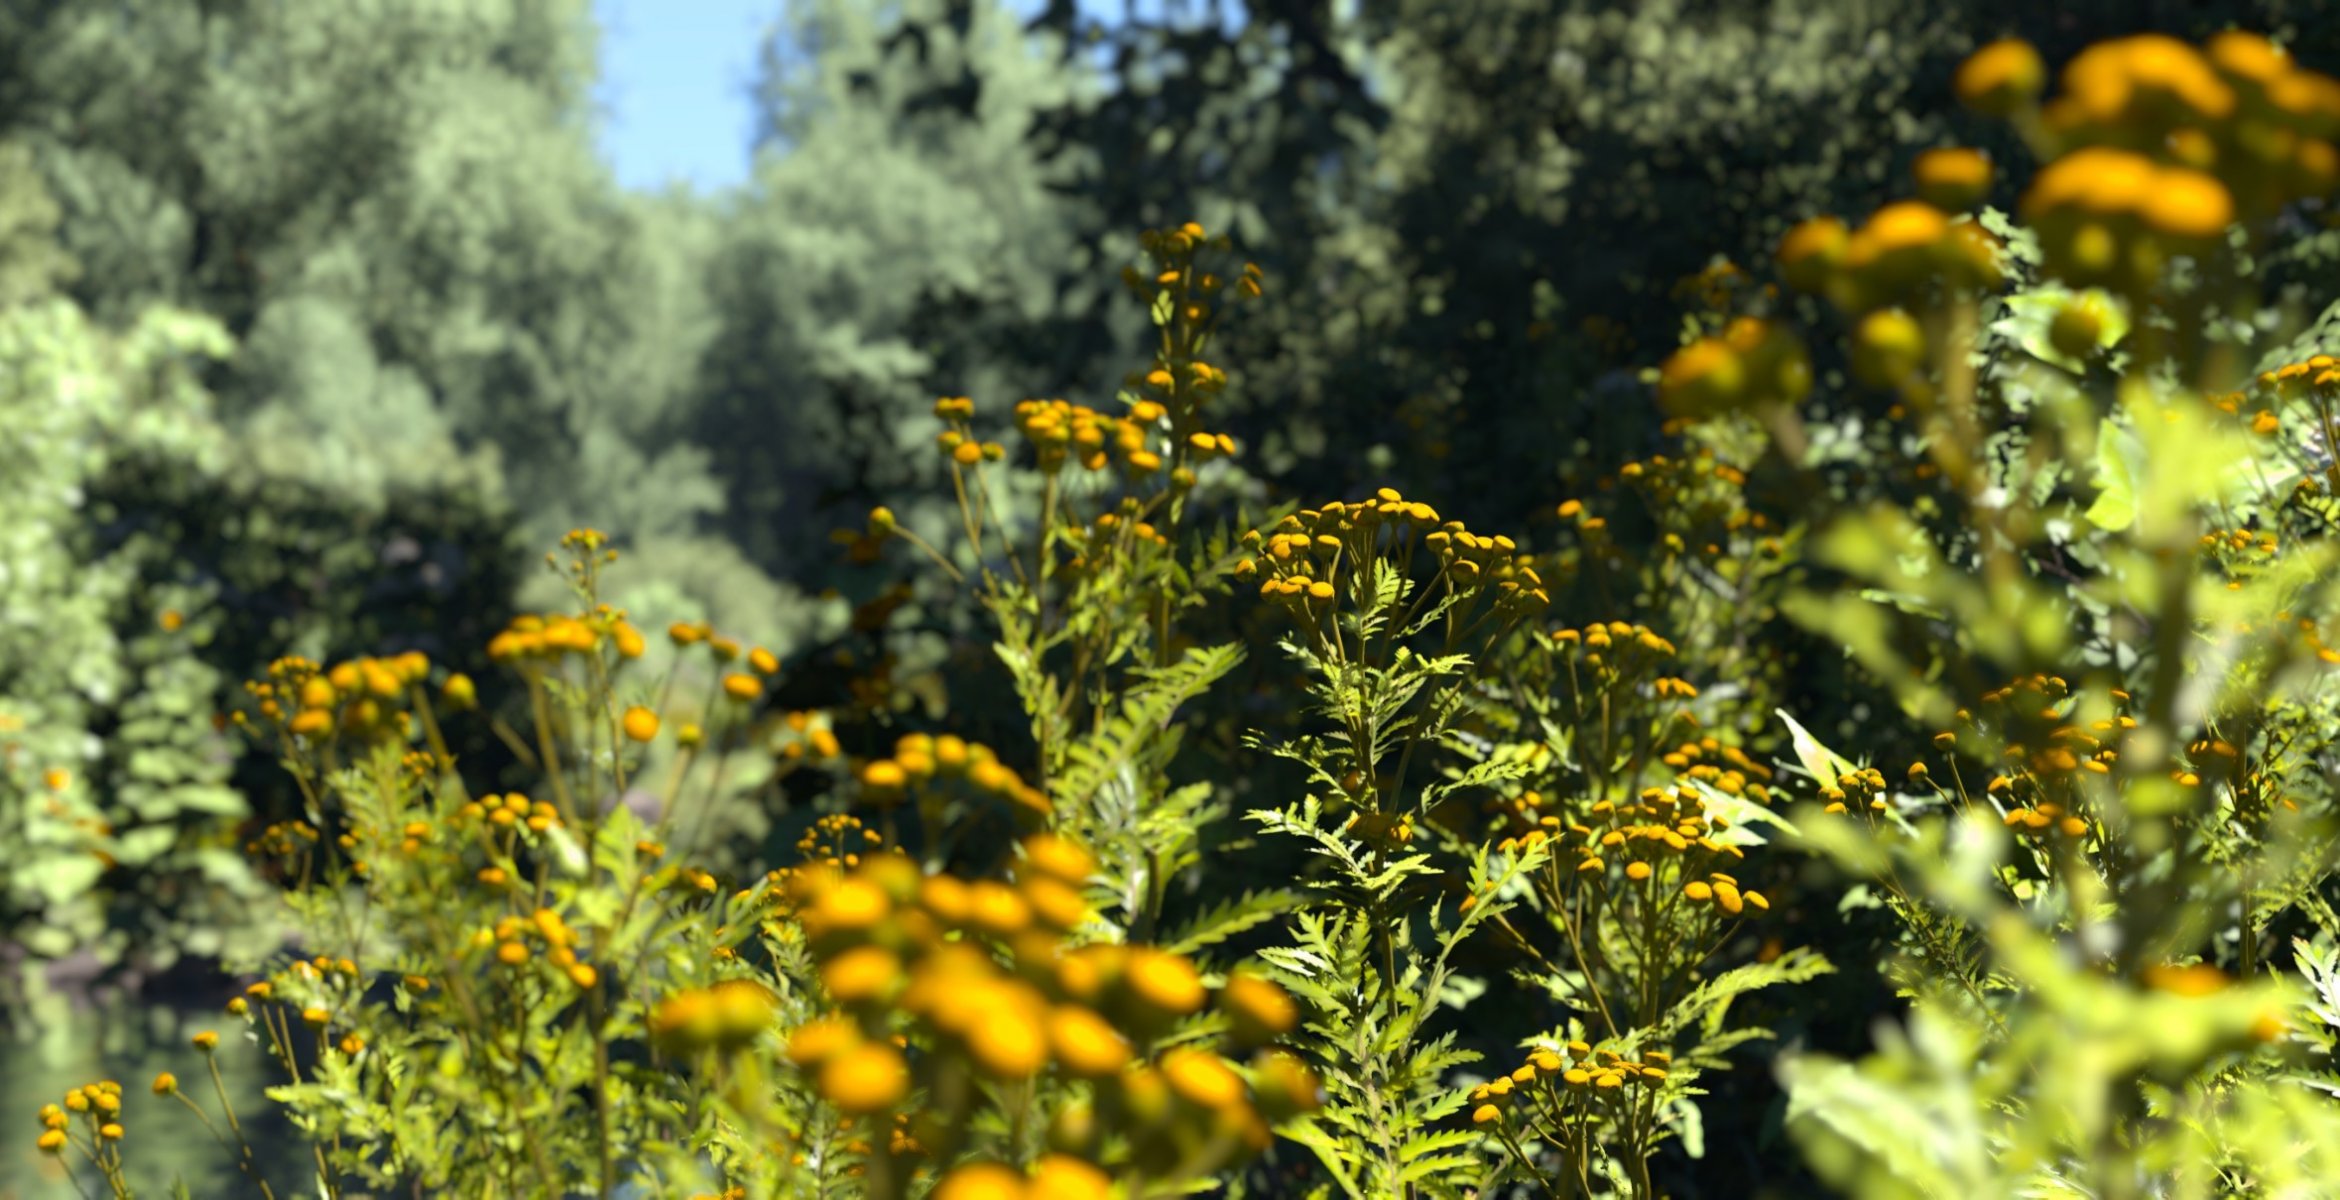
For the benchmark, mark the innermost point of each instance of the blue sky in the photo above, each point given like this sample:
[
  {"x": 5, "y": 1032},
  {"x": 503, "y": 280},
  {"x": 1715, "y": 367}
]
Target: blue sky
[{"x": 676, "y": 76}]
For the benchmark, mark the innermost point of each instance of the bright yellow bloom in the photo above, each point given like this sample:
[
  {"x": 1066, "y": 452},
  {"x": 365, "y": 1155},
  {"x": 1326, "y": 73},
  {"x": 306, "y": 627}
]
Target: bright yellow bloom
[{"x": 865, "y": 1078}]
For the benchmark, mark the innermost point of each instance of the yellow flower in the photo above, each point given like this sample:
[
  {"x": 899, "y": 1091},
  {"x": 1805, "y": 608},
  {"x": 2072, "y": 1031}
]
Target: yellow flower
[
  {"x": 742, "y": 686},
  {"x": 1258, "y": 1009},
  {"x": 1203, "y": 1078},
  {"x": 2189, "y": 205},
  {"x": 2001, "y": 78},
  {"x": 865, "y": 1078},
  {"x": 817, "y": 1041},
  {"x": 1007, "y": 1039},
  {"x": 862, "y": 973},
  {"x": 165, "y": 1084},
  {"x": 640, "y": 723},
  {"x": 1087, "y": 1045},
  {"x": 982, "y": 1181},
  {"x": 206, "y": 1041},
  {"x": 52, "y": 1142},
  {"x": 1058, "y": 857},
  {"x": 1063, "y": 1177},
  {"x": 1809, "y": 252},
  {"x": 1164, "y": 982},
  {"x": 1953, "y": 178}
]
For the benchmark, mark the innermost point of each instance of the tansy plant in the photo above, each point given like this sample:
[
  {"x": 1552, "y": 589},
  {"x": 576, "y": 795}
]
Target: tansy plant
[{"x": 2101, "y": 589}]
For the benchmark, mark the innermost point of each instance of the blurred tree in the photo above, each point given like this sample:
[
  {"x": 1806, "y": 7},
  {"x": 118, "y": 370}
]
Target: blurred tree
[{"x": 396, "y": 209}]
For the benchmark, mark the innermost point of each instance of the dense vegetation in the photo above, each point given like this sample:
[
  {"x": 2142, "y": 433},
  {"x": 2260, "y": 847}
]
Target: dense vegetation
[{"x": 1532, "y": 658}]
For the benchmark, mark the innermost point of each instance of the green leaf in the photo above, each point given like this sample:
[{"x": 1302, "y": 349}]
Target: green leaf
[
  {"x": 1825, "y": 765},
  {"x": 2119, "y": 460}
]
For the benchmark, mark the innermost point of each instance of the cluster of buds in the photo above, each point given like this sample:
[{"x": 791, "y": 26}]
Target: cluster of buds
[
  {"x": 740, "y": 686},
  {"x": 510, "y": 812},
  {"x": 1586, "y": 1085},
  {"x": 2239, "y": 553},
  {"x": 2312, "y": 384},
  {"x": 504, "y": 825},
  {"x": 727, "y": 1016},
  {"x": 1751, "y": 364},
  {"x": 2158, "y": 146},
  {"x": 958, "y": 439},
  {"x": 1060, "y": 431},
  {"x": 2044, "y": 817},
  {"x": 284, "y": 839},
  {"x": 1724, "y": 893},
  {"x": 1111, "y": 534},
  {"x": 97, "y": 1109},
  {"x": 308, "y": 990},
  {"x": 809, "y": 736},
  {"x": 1863, "y": 788},
  {"x": 1176, "y": 275},
  {"x": 2040, "y": 741},
  {"x": 1617, "y": 650},
  {"x": 1300, "y": 563},
  {"x": 926, "y": 767},
  {"x": 1907, "y": 254},
  {"x": 1699, "y": 502},
  {"x": 541, "y": 936},
  {"x": 1726, "y": 769},
  {"x": 532, "y": 640},
  {"x": 984, "y": 975},
  {"x": 362, "y": 698},
  {"x": 1662, "y": 831}
]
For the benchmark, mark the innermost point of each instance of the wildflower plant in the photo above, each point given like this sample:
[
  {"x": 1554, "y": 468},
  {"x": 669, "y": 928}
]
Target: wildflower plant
[{"x": 2094, "y": 591}]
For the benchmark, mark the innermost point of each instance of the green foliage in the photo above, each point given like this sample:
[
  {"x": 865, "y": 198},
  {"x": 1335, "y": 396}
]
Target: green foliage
[{"x": 115, "y": 793}]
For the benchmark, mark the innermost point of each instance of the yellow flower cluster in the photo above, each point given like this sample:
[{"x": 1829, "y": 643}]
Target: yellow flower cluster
[
  {"x": 985, "y": 975},
  {"x": 515, "y": 938},
  {"x": 725, "y": 1016},
  {"x": 510, "y": 811},
  {"x": 1724, "y": 893},
  {"x": 2160, "y": 145},
  {"x": 2239, "y": 552},
  {"x": 1549, "y": 1088},
  {"x": 1905, "y": 256},
  {"x": 2318, "y": 376},
  {"x": 812, "y": 738},
  {"x": 1301, "y": 562},
  {"x": 283, "y": 839},
  {"x": 2037, "y": 737},
  {"x": 531, "y": 638},
  {"x": 1727, "y": 769},
  {"x": 1093, "y": 544},
  {"x": 1661, "y": 831},
  {"x": 1753, "y": 363},
  {"x": 957, "y": 440},
  {"x": 363, "y": 697},
  {"x": 2316, "y": 380},
  {"x": 1863, "y": 789},
  {"x": 98, "y": 1109},
  {"x": 740, "y": 686},
  {"x": 923, "y": 763},
  {"x": 1052, "y": 1177},
  {"x": 1697, "y": 500},
  {"x": 1622, "y": 647},
  {"x": 1173, "y": 253}
]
